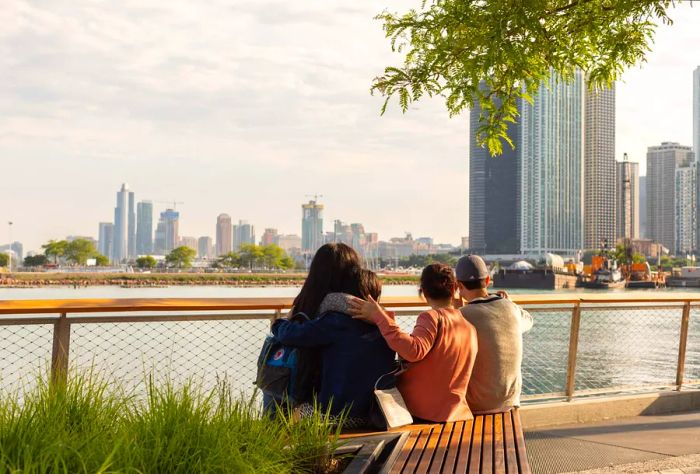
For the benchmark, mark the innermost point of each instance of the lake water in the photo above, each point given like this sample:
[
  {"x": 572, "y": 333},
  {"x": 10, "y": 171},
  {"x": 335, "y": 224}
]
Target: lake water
[{"x": 617, "y": 346}]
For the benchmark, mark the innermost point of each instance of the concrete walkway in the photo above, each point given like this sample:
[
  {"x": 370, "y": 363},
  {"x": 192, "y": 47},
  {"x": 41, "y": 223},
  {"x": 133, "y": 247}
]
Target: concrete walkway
[{"x": 669, "y": 444}]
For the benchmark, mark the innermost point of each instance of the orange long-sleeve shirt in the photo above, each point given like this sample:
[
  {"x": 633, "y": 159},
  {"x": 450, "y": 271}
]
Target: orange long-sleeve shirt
[{"x": 442, "y": 357}]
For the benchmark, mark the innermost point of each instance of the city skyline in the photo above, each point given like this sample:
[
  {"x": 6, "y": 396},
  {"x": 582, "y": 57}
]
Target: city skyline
[{"x": 167, "y": 115}]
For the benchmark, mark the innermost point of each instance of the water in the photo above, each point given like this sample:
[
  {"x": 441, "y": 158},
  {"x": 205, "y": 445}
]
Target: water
[{"x": 617, "y": 347}]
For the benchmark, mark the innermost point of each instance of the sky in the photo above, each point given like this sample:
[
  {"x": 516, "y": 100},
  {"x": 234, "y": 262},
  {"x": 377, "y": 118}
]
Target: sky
[{"x": 247, "y": 108}]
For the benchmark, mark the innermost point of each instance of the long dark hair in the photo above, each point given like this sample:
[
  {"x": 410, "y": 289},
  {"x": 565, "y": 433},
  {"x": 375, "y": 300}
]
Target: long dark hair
[{"x": 334, "y": 268}]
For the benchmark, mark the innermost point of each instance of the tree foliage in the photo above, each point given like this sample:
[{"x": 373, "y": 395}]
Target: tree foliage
[
  {"x": 4, "y": 259},
  {"x": 146, "y": 262},
  {"x": 55, "y": 249},
  {"x": 35, "y": 260},
  {"x": 181, "y": 257},
  {"x": 451, "y": 47},
  {"x": 76, "y": 252},
  {"x": 254, "y": 257}
]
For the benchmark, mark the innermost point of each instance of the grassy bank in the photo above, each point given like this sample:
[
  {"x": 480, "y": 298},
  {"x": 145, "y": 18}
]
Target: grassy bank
[
  {"x": 34, "y": 279},
  {"x": 89, "y": 426}
]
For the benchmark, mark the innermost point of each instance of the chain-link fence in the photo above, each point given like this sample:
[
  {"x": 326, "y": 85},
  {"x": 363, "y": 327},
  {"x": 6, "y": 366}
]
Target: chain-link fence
[{"x": 619, "y": 347}]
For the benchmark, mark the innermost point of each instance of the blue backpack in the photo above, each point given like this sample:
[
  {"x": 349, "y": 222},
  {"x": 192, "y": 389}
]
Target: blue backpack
[{"x": 285, "y": 373}]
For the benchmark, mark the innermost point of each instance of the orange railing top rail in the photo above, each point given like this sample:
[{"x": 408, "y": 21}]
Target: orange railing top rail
[{"x": 241, "y": 304}]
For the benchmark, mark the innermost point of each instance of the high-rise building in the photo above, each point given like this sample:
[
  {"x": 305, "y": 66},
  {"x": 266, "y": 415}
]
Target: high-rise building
[
  {"x": 599, "y": 168},
  {"x": 290, "y": 243},
  {"x": 494, "y": 193},
  {"x": 243, "y": 233},
  {"x": 662, "y": 162},
  {"x": 696, "y": 113},
  {"x": 551, "y": 168},
  {"x": 268, "y": 237},
  {"x": 643, "y": 207},
  {"x": 144, "y": 228},
  {"x": 105, "y": 239},
  {"x": 686, "y": 209},
  {"x": 17, "y": 251},
  {"x": 167, "y": 232},
  {"x": 311, "y": 226},
  {"x": 224, "y": 238},
  {"x": 190, "y": 242},
  {"x": 124, "y": 225},
  {"x": 205, "y": 247},
  {"x": 627, "y": 200}
]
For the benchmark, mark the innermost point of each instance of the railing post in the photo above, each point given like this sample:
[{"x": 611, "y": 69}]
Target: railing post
[
  {"x": 573, "y": 351},
  {"x": 61, "y": 349},
  {"x": 682, "y": 345}
]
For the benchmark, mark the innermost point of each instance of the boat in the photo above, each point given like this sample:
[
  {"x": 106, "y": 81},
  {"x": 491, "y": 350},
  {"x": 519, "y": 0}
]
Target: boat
[
  {"x": 603, "y": 274},
  {"x": 640, "y": 276}
]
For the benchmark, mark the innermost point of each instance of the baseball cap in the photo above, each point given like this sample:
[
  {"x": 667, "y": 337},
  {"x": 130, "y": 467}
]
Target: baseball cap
[{"x": 470, "y": 268}]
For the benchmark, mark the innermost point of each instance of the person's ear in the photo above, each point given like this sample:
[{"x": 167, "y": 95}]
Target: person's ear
[{"x": 488, "y": 280}]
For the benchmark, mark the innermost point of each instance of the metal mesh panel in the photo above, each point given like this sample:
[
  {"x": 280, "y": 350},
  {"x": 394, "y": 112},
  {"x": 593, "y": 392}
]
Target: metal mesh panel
[
  {"x": 25, "y": 353},
  {"x": 205, "y": 350},
  {"x": 545, "y": 352},
  {"x": 692, "y": 361},
  {"x": 620, "y": 347}
]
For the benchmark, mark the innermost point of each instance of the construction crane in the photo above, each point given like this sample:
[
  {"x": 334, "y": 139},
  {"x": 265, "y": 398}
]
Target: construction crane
[
  {"x": 174, "y": 203},
  {"x": 315, "y": 196}
]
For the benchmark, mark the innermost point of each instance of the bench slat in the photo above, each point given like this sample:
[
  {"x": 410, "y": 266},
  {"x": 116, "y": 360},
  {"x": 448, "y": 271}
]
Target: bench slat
[
  {"x": 475, "y": 454},
  {"x": 465, "y": 447},
  {"x": 509, "y": 443},
  {"x": 499, "y": 464},
  {"x": 418, "y": 451},
  {"x": 487, "y": 445},
  {"x": 441, "y": 449},
  {"x": 454, "y": 445},
  {"x": 429, "y": 450},
  {"x": 523, "y": 465},
  {"x": 405, "y": 453}
]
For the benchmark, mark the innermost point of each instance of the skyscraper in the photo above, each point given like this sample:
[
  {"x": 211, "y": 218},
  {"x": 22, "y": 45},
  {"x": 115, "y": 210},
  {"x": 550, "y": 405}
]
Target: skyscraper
[
  {"x": 167, "y": 232},
  {"x": 662, "y": 162},
  {"x": 551, "y": 168},
  {"x": 204, "y": 247},
  {"x": 243, "y": 233},
  {"x": 124, "y": 224},
  {"x": 311, "y": 226},
  {"x": 599, "y": 168},
  {"x": 106, "y": 239},
  {"x": 627, "y": 200},
  {"x": 696, "y": 113},
  {"x": 224, "y": 239},
  {"x": 144, "y": 228},
  {"x": 685, "y": 208},
  {"x": 494, "y": 193},
  {"x": 190, "y": 242},
  {"x": 643, "y": 234}
]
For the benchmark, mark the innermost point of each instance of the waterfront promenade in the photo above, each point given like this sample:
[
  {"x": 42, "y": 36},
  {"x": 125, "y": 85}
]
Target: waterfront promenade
[{"x": 592, "y": 362}]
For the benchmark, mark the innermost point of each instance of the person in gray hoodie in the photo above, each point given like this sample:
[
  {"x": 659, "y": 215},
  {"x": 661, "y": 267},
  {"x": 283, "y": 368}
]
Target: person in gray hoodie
[{"x": 496, "y": 380}]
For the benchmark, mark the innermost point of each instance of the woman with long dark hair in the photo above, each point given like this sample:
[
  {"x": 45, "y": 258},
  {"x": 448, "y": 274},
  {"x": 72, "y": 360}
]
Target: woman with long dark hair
[{"x": 350, "y": 355}]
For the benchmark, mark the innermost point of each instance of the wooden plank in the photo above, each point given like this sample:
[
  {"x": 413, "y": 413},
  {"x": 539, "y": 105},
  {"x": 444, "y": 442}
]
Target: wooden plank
[
  {"x": 460, "y": 428},
  {"x": 487, "y": 445},
  {"x": 523, "y": 465},
  {"x": 509, "y": 443},
  {"x": 499, "y": 464},
  {"x": 441, "y": 451},
  {"x": 406, "y": 451},
  {"x": 429, "y": 450},
  {"x": 465, "y": 447},
  {"x": 475, "y": 445},
  {"x": 418, "y": 451}
]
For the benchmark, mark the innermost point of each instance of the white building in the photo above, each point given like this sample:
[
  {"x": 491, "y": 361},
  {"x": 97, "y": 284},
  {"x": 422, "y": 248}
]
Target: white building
[
  {"x": 696, "y": 113},
  {"x": 685, "y": 209},
  {"x": 627, "y": 199},
  {"x": 552, "y": 165}
]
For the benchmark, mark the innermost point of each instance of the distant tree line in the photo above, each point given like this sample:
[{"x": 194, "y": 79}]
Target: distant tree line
[
  {"x": 75, "y": 252},
  {"x": 250, "y": 257}
]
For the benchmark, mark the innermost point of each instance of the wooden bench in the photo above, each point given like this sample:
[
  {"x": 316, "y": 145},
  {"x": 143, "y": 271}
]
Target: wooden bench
[{"x": 486, "y": 444}]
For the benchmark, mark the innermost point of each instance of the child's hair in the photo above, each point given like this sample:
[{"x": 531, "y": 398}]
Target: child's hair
[
  {"x": 369, "y": 284},
  {"x": 438, "y": 282}
]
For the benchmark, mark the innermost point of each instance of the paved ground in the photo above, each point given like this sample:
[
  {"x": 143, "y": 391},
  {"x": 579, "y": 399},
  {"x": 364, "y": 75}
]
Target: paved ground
[{"x": 669, "y": 444}]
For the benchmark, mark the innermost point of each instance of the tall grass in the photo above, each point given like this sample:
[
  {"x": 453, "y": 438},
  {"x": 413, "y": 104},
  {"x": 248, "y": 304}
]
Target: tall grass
[{"x": 88, "y": 426}]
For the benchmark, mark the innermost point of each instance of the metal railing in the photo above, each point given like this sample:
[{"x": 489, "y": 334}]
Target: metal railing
[{"x": 577, "y": 347}]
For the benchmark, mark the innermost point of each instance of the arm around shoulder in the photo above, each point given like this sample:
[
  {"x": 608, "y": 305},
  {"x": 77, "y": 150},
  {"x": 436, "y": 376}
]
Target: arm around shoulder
[{"x": 308, "y": 334}]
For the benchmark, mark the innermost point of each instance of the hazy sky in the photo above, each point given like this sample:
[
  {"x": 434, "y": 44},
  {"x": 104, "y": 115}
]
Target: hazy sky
[{"x": 246, "y": 107}]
